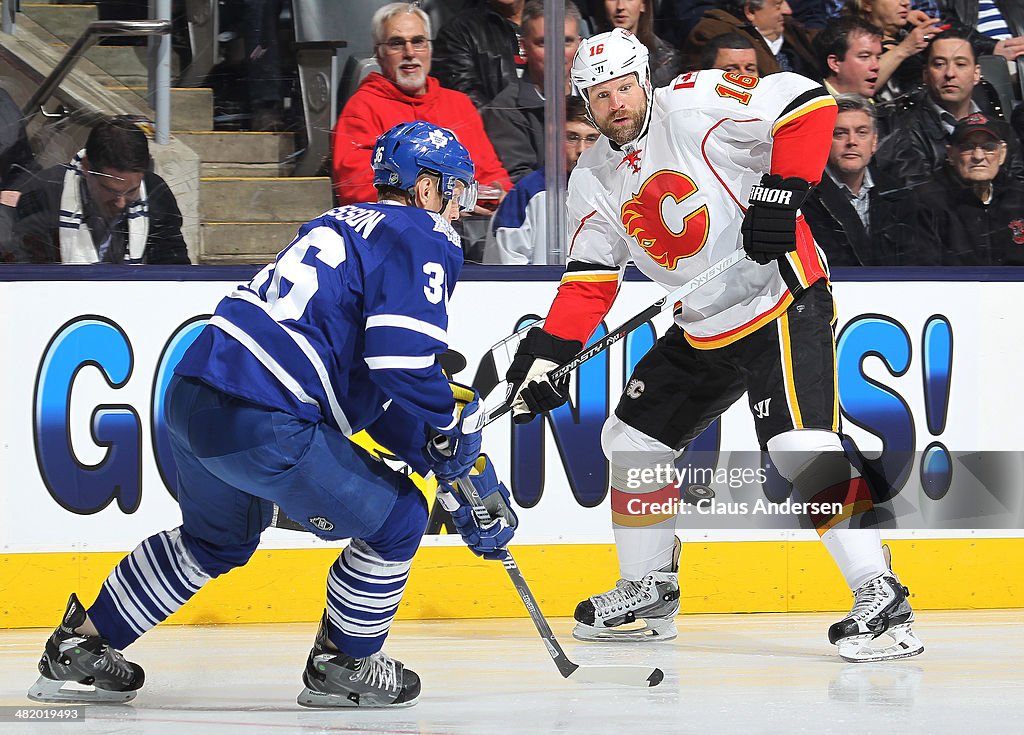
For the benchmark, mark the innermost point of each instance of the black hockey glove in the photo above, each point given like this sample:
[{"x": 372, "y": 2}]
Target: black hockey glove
[
  {"x": 539, "y": 353},
  {"x": 769, "y": 226}
]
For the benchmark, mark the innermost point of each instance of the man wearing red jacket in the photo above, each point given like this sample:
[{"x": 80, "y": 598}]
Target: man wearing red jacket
[
  {"x": 683, "y": 177},
  {"x": 403, "y": 92}
]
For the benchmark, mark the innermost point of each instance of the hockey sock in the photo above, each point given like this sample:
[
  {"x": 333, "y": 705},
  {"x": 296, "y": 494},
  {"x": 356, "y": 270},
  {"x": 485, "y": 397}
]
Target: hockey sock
[
  {"x": 857, "y": 552},
  {"x": 366, "y": 583},
  {"x": 643, "y": 520},
  {"x": 645, "y": 498},
  {"x": 643, "y": 550},
  {"x": 149, "y": 584},
  {"x": 363, "y": 593}
]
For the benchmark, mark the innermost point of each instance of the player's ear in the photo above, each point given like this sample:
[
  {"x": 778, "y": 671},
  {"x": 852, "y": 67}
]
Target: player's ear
[{"x": 424, "y": 190}]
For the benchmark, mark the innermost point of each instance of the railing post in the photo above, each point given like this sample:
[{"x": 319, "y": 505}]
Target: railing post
[
  {"x": 9, "y": 9},
  {"x": 554, "y": 130},
  {"x": 160, "y": 73}
]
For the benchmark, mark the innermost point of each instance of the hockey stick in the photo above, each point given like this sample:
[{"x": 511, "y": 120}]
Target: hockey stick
[
  {"x": 713, "y": 271},
  {"x": 637, "y": 676}
]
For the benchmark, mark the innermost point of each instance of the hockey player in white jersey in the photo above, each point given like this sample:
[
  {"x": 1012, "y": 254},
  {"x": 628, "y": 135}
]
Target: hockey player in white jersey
[
  {"x": 340, "y": 333},
  {"x": 684, "y": 176}
]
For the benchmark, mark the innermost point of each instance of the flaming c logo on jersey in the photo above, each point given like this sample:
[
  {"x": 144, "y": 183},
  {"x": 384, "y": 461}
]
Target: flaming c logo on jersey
[{"x": 644, "y": 219}]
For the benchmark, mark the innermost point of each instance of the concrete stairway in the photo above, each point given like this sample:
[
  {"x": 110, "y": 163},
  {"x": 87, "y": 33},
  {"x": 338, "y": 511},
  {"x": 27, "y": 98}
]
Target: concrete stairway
[{"x": 248, "y": 206}]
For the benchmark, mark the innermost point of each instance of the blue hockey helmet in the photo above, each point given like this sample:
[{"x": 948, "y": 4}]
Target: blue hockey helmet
[{"x": 410, "y": 149}]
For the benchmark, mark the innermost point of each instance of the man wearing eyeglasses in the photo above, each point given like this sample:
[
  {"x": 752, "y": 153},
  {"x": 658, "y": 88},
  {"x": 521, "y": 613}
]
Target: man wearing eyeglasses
[
  {"x": 105, "y": 206},
  {"x": 972, "y": 212},
  {"x": 404, "y": 91},
  {"x": 518, "y": 233}
]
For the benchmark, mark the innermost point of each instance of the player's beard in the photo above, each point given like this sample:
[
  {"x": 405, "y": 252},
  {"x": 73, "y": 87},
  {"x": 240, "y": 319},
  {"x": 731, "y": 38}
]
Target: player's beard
[{"x": 622, "y": 134}]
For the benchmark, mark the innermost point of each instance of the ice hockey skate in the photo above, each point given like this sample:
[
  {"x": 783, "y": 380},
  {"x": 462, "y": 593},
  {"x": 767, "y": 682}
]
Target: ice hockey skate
[
  {"x": 333, "y": 679},
  {"x": 635, "y": 610},
  {"x": 878, "y": 626},
  {"x": 83, "y": 668}
]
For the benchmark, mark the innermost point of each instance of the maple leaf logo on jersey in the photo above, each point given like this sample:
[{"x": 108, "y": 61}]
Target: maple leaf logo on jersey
[{"x": 643, "y": 216}]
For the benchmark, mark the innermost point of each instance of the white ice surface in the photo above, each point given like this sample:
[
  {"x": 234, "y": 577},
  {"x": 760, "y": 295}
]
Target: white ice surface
[{"x": 749, "y": 674}]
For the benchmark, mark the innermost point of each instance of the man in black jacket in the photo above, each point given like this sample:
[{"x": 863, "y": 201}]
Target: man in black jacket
[
  {"x": 478, "y": 53},
  {"x": 514, "y": 119},
  {"x": 106, "y": 206},
  {"x": 857, "y": 214},
  {"x": 917, "y": 146},
  {"x": 971, "y": 212}
]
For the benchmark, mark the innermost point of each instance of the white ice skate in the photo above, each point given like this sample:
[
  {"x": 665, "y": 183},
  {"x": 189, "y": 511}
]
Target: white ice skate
[
  {"x": 635, "y": 610},
  {"x": 333, "y": 679},
  {"x": 878, "y": 627},
  {"x": 83, "y": 668}
]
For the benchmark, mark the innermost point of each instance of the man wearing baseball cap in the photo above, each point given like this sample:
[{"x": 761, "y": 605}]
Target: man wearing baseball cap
[{"x": 971, "y": 212}]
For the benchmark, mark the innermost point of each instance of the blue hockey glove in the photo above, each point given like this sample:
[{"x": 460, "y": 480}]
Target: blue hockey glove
[
  {"x": 769, "y": 226},
  {"x": 454, "y": 455},
  {"x": 487, "y": 530}
]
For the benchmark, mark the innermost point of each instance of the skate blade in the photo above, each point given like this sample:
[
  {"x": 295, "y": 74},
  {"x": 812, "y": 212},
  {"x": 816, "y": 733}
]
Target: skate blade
[
  {"x": 52, "y": 690},
  {"x": 859, "y": 649},
  {"x": 319, "y": 700},
  {"x": 661, "y": 631}
]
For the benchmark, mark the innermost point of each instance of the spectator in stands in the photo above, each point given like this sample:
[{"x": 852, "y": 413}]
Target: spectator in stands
[
  {"x": 857, "y": 214},
  {"x": 518, "y": 232},
  {"x": 972, "y": 212},
  {"x": 106, "y": 206},
  {"x": 730, "y": 52},
  {"x": 781, "y": 43},
  {"x": 637, "y": 16},
  {"x": 848, "y": 52},
  {"x": 1000, "y": 24},
  {"x": 905, "y": 34},
  {"x": 403, "y": 91},
  {"x": 479, "y": 52},
  {"x": 917, "y": 146},
  {"x": 514, "y": 120}
]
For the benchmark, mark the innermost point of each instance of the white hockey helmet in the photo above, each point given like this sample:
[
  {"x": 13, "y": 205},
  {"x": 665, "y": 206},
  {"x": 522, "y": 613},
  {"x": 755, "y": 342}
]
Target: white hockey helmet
[{"x": 608, "y": 56}]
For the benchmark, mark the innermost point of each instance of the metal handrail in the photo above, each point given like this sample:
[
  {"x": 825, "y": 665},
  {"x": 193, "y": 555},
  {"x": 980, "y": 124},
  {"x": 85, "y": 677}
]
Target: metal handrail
[{"x": 94, "y": 31}]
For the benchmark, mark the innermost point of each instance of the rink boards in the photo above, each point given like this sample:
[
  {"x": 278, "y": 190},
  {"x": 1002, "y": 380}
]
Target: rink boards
[{"x": 929, "y": 361}]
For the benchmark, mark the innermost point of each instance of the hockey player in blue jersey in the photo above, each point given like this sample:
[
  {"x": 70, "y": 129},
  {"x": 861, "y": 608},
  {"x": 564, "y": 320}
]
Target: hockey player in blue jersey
[{"x": 340, "y": 333}]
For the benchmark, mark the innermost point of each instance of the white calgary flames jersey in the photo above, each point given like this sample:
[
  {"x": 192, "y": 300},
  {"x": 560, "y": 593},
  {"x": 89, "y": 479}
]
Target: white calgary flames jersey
[{"x": 673, "y": 200}]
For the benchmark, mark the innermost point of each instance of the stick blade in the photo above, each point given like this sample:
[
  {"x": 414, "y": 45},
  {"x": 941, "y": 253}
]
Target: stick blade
[{"x": 633, "y": 676}]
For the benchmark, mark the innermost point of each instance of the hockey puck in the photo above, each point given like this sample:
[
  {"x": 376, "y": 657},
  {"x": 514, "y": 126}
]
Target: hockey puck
[{"x": 698, "y": 493}]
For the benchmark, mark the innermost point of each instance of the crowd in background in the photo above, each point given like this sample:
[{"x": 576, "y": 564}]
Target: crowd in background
[{"x": 926, "y": 165}]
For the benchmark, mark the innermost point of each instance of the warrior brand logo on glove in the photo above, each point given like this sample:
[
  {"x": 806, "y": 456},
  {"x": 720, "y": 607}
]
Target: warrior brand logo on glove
[
  {"x": 769, "y": 224},
  {"x": 764, "y": 195}
]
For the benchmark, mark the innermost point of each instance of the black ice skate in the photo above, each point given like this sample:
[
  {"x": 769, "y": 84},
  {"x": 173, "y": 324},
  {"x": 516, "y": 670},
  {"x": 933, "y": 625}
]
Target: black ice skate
[
  {"x": 880, "y": 609},
  {"x": 637, "y": 610},
  {"x": 71, "y": 659},
  {"x": 333, "y": 679}
]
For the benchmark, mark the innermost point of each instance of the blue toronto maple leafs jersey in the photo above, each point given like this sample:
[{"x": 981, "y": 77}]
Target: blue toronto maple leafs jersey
[{"x": 351, "y": 315}]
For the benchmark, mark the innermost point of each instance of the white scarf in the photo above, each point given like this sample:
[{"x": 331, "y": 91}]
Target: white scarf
[{"x": 76, "y": 244}]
